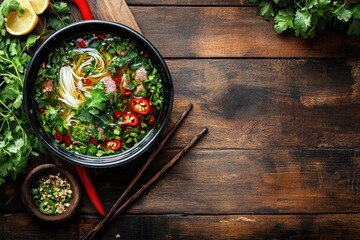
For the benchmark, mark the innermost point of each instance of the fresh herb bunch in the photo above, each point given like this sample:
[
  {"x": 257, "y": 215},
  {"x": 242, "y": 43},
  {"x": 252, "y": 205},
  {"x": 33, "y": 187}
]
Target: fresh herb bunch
[
  {"x": 17, "y": 140},
  {"x": 306, "y": 17}
]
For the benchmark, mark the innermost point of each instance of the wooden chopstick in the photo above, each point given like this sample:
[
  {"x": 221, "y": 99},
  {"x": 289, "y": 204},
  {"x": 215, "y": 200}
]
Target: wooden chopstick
[
  {"x": 151, "y": 181},
  {"x": 141, "y": 171}
]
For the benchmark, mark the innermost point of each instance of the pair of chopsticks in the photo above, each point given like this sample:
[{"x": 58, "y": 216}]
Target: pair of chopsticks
[{"x": 117, "y": 207}]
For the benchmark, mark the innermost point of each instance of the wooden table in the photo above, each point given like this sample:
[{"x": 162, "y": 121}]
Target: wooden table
[{"x": 281, "y": 159}]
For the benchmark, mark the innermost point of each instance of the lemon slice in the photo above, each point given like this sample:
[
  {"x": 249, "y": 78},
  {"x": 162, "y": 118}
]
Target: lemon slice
[
  {"x": 39, "y": 6},
  {"x": 21, "y": 23}
]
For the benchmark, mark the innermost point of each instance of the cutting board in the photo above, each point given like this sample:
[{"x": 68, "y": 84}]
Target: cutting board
[{"x": 113, "y": 10}]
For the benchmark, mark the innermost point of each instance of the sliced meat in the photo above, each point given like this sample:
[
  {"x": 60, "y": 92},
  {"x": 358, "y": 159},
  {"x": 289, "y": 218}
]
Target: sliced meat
[
  {"x": 110, "y": 85},
  {"x": 140, "y": 74},
  {"x": 48, "y": 86}
]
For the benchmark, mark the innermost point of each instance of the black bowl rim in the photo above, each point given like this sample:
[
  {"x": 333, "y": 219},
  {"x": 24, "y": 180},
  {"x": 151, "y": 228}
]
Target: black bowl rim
[{"x": 84, "y": 27}]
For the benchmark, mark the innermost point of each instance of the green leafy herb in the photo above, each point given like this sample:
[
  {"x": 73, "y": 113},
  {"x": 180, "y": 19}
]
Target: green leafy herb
[
  {"x": 305, "y": 18},
  {"x": 17, "y": 141}
]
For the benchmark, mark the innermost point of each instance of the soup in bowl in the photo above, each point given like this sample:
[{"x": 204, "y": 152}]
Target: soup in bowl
[{"x": 98, "y": 94}]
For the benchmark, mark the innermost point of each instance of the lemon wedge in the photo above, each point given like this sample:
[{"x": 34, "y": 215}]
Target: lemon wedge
[
  {"x": 21, "y": 23},
  {"x": 39, "y": 6}
]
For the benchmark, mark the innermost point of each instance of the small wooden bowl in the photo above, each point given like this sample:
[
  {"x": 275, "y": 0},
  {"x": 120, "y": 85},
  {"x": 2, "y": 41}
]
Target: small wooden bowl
[{"x": 43, "y": 171}]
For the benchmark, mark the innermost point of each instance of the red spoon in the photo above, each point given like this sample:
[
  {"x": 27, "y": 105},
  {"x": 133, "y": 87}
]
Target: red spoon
[{"x": 82, "y": 172}]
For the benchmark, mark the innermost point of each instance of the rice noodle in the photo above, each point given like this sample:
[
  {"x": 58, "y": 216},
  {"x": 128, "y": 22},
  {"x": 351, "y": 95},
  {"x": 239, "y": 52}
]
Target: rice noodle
[
  {"x": 94, "y": 55},
  {"x": 68, "y": 92}
]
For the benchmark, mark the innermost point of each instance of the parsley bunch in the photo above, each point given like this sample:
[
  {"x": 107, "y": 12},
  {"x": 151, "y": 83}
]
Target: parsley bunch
[
  {"x": 17, "y": 140},
  {"x": 306, "y": 17}
]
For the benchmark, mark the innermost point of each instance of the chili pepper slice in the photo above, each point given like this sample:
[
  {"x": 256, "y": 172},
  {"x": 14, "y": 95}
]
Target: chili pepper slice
[
  {"x": 131, "y": 119},
  {"x": 59, "y": 136},
  {"x": 81, "y": 43},
  {"x": 47, "y": 207},
  {"x": 140, "y": 105},
  {"x": 87, "y": 81},
  {"x": 117, "y": 114},
  {"x": 116, "y": 79},
  {"x": 114, "y": 144},
  {"x": 93, "y": 141},
  {"x": 128, "y": 93},
  {"x": 101, "y": 36},
  {"x": 151, "y": 120},
  {"x": 67, "y": 140}
]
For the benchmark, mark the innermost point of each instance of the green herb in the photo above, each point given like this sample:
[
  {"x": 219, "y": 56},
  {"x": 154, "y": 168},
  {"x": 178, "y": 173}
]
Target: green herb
[
  {"x": 305, "y": 18},
  {"x": 17, "y": 141}
]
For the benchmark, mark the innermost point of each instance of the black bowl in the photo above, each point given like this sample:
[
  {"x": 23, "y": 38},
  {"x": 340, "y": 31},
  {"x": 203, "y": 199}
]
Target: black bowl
[{"x": 72, "y": 32}]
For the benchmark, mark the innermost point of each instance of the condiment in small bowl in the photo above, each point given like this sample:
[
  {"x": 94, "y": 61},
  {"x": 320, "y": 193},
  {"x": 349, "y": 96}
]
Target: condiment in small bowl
[{"x": 51, "y": 193}]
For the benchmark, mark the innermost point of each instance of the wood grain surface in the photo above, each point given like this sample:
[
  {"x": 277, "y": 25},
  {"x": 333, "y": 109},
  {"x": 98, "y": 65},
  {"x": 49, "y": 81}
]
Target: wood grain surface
[{"x": 281, "y": 159}]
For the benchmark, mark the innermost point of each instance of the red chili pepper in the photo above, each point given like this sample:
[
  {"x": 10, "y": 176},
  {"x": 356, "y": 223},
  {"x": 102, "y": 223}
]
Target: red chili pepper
[
  {"x": 81, "y": 43},
  {"x": 101, "y": 36},
  {"x": 116, "y": 79},
  {"x": 67, "y": 140},
  {"x": 131, "y": 119},
  {"x": 84, "y": 9},
  {"x": 151, "y": 120},
  {"x": 146, "y": 55},
  {"x": 59, "y": 136},
  {"x": 87, "y": 81},
  {"x": 93, "y": 141},
  {"x": 117, "y": 114},
  {"x": 42, "y": 110},
  {"x": 114, "y": 144},
  {"x": 89, "y": 188},
  {"x": 140, "y": 105},
  {"x": 127, "y": 93}
]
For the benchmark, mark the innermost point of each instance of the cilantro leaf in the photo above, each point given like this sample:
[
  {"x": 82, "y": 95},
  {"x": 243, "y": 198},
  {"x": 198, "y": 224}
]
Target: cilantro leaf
[
  {"x": 93, "y": 105},
  {"x": 302, "y": 21},
  {"x": 284, "y": 20},
  {"x": 61, "y": 7},
  {"x": 343, "y": 14},
  {"x": 266, "y": 10},
  {"x": 305, "y": 18}
]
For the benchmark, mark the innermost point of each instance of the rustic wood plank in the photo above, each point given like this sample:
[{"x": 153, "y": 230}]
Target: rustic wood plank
[
  {"x": 332, "y": 226},
  {"x": 272, "y": 104},
  {"x": 232, "y": 182},
  {"x": 210, "y": 32},
  {"x": 189, "y": 2},
  {"x": 237, "y": 182}
]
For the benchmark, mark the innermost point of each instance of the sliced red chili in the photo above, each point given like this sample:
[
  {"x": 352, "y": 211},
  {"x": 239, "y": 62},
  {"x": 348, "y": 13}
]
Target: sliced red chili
[
  {"x": 42, "y": 110},
  {"x": 101, "y": 36},
  {"x": 59, "y": 136},
  {"x": 114, "y": 144},
  {"x": 81, "y": 43},
  {"x": 117, "y": 114},
  {"x": 146, "y": 55},
  {"x": 87, "y": 81},
  {"x": 117, "y": 79},
  {"x": 127, "y": 93},
  {"x": 67, "y": 140},
  {"x": 151, "y": 120},
  {"x": 140, "y": 105},
  {"x": 93, "y": 141},
  {"x": 131, "y": 119}
]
